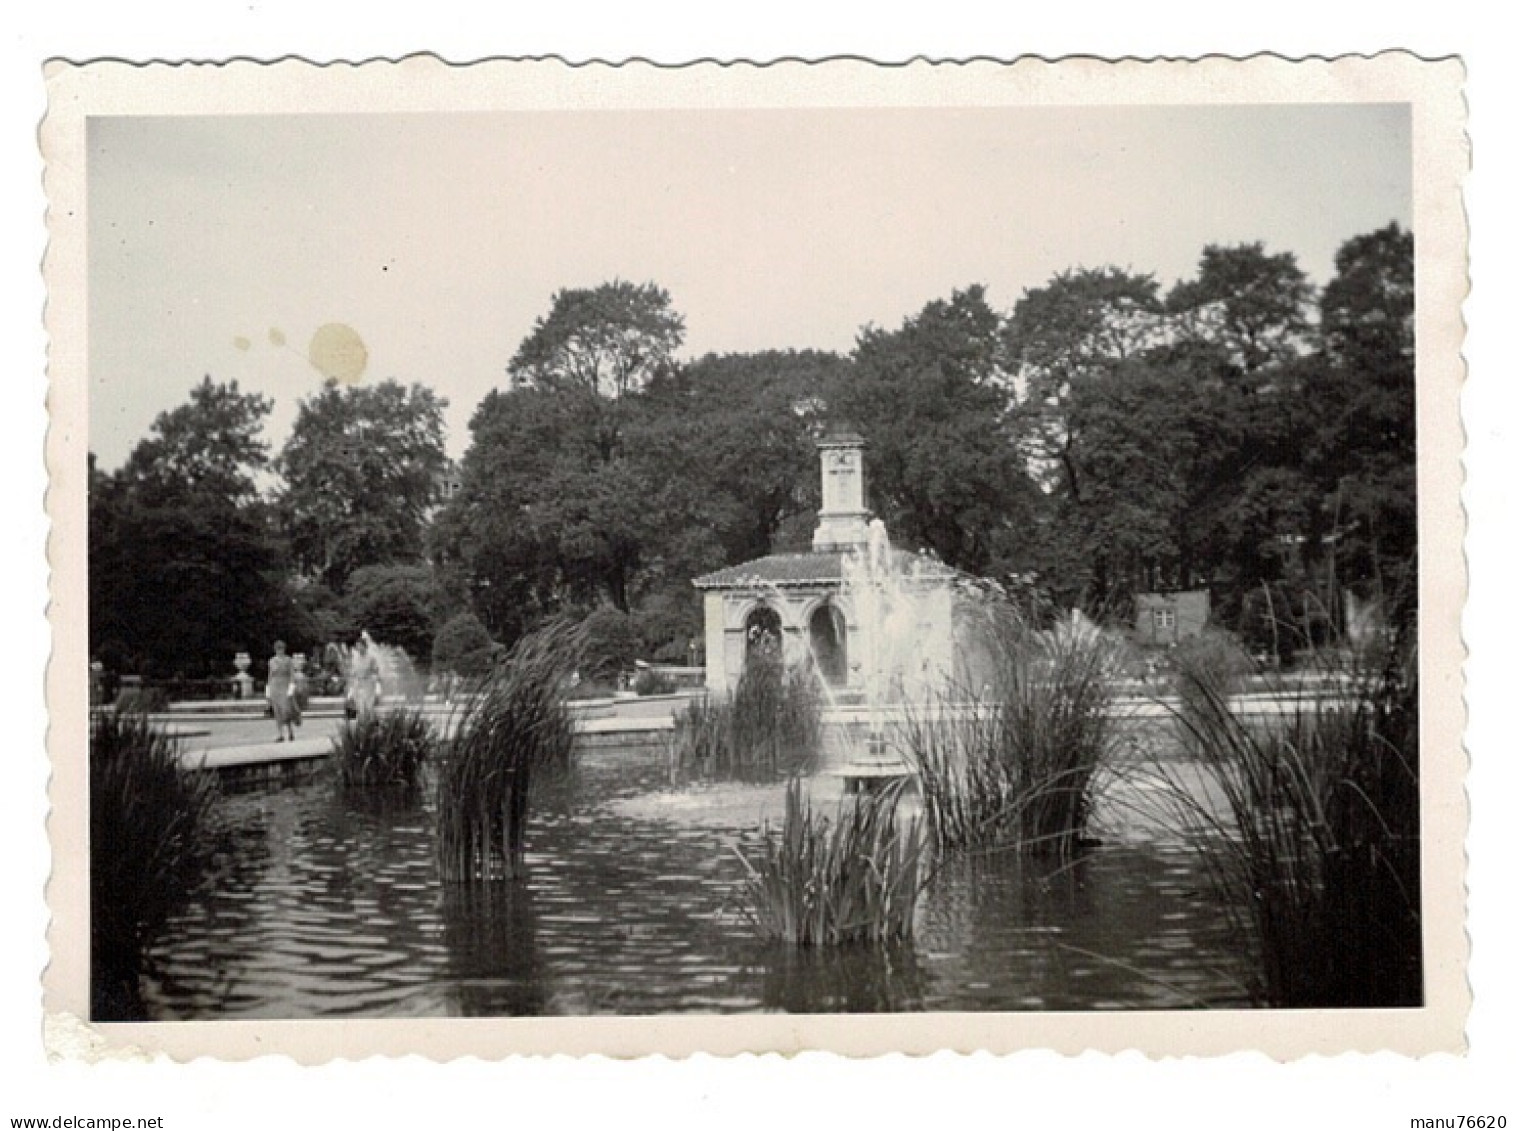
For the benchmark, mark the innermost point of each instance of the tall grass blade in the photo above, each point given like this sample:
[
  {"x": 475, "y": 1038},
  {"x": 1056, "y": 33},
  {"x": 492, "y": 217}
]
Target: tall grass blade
[
  {"x": 512, "y": 728},
  {"x": 153, "y": 839},
  {"x": 1312, "y": 829},
  {"x": 383, "y": 749},
  {"x": 854, "y": 876}
]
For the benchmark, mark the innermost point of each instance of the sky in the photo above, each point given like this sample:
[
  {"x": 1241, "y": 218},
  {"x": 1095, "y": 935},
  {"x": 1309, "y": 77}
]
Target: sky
[{"x": 220, "y": 245}]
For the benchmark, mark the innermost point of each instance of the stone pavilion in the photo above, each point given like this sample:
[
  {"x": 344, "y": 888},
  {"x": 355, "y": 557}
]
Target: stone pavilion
[{"x": 810, "y": 606}]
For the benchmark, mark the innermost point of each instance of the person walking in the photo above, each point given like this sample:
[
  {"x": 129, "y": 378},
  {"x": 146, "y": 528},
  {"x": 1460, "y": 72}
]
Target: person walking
[
  {"x": 363, "y": 678},
  {"x": 281, "y": 692}
]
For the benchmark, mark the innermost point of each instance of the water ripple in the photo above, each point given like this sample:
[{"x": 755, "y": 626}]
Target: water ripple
[{"x": 629, "y": 906}]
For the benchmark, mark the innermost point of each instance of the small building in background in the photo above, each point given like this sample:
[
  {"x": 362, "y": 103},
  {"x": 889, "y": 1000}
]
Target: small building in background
[
  {"x": 448, "y": 483},
  {"x": 1167, "y": 618}
]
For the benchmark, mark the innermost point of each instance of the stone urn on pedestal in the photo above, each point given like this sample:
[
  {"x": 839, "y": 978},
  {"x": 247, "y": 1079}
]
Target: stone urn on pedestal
[{"x": 242, "y": 681}]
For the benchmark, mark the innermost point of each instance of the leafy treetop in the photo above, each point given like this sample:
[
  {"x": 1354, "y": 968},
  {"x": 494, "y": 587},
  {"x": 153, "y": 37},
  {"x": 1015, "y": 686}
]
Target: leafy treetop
[
  {"x": 210, "y": 447},
  {"x": 609, "y": 340},
  {"x": 360, "y": 470}
]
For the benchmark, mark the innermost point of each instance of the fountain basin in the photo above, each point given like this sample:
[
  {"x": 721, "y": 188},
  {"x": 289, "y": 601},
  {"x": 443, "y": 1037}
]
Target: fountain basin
[{"x": 631, "y": 905}]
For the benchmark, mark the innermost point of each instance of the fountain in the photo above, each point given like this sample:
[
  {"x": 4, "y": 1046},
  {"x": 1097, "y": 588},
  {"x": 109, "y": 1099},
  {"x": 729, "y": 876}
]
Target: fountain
[
  {"x": 876, "y": 623},
  {"x": 889, "y": 633},
  {"x": 397, "y": 675},
  {"x": 398, "y": 679},
  {"x": 900, "y": 613}
]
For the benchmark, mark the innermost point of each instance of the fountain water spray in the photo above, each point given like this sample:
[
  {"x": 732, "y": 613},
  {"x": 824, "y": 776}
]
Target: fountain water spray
[
  {"x": 905, "y": 638},
  {"x": 397, "y": 674},
  {"x": 398, "y": 678}
]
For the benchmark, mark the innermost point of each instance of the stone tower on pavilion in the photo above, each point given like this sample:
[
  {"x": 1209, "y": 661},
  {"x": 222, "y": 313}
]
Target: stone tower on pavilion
[{"x": 799, "y": 602}]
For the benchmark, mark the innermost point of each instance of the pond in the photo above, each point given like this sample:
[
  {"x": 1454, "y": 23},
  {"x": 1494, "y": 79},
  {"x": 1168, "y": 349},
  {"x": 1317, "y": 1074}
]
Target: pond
[{"x": 331, "y": 907}]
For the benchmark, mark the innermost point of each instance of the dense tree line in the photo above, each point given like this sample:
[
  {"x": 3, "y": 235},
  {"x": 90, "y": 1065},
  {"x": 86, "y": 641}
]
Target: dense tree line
[
  {"x": 1243, "y": 431},
  {"x": 202, "y": 545}
]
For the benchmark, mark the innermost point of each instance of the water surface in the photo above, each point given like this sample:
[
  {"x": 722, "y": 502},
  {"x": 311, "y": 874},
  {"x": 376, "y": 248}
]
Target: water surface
[{"x": 331, "y": 907}]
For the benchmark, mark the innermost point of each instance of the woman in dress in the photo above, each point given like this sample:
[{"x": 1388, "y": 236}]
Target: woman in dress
[
  {"x": 281, "y": 692},
  {"x": 363, "y": 678}
]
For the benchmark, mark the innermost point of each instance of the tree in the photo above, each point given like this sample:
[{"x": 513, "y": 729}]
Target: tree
[
  {"x": 1364, "y": 449},
  {"x": 317, "y": 616},
  {"x": 186, "y": 568},
  {"x": 1073, "y": 333},
  {"x": 397, "y": 605},
  {"x": 1147, "y": 418},
  {"x": 1368, "y": 311},
  {"x": 1253, "y": 305},
  {"x": 179, "y": 590},
  {"x": 931, "y": 398},
  {"x": 211, "y": 446},
  {"x": 463, "y": 647},
  {"x": 1136, "y": 456},
  {"x": 608, "y": 340},
  {"x": 1306, "y": 482},
  {"x": 360, "y": 470},
  {"x": 501, "y": 534},
  {"x": 556, "y": 503},
  {"x": 736, "y": 433}
]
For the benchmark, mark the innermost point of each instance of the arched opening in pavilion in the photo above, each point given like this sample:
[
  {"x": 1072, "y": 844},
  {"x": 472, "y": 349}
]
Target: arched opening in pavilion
[
  {"x": 828, "y": 638},
  {"x": 765, "y": 634}
]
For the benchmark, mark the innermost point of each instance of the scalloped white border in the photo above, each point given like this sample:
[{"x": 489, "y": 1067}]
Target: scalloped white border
[{"x": 427, "y": 84}]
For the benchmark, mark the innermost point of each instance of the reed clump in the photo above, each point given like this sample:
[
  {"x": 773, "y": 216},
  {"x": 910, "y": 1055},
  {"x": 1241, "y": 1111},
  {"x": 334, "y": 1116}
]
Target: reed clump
[
  {"x": 768, "y": 729},
  {"x": 854, "y": 876},
  {"x": 513, "y": 728},
  {"x": 154, "y": 836},
  {"x": 1016, "y": 765},
  {"x": 384, "y": 750},
  {"x": 1312, "y": 831}
]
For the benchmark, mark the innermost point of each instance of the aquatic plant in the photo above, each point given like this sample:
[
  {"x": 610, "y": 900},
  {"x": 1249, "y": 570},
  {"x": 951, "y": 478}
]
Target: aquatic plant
[
  {"x": 768, "y": 728},
  {"x": 516, "y": 725},
  {"x": 826, "y": 880},
  {"x": 701, "y": 737},
  {"x": 1016, "y": 765},
  {"x": 951, "y": 744},
  {"x": 153, "y": 839},
  {"x": 383, "y": 749},
  {"x": 1311, "y": 829}
]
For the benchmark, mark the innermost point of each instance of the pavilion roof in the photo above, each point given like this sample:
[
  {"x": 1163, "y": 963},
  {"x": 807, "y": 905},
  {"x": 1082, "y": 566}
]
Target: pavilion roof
[{"x": 812, "y": 568}]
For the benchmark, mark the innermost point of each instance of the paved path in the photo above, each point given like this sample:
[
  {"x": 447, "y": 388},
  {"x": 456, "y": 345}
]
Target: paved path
[
  {"x": 219, "y": 742},
  {"x": 203, "y": 733},
  {"x": 259, "y": 754}
]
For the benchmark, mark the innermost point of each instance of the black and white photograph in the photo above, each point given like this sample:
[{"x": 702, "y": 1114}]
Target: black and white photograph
[{"x": 854, "y": 553}]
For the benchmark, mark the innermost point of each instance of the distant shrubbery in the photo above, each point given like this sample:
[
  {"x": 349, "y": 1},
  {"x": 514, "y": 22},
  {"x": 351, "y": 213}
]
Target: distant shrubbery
[
  {"x": 652, "y": 682},
  {"x": 463, "y": 648},
  {"x": 611, "y": 644},
  {"x": 615, "y": 641},
  {"x": 142, "y": 700},
  {"x": 1217, "y": 653}
]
